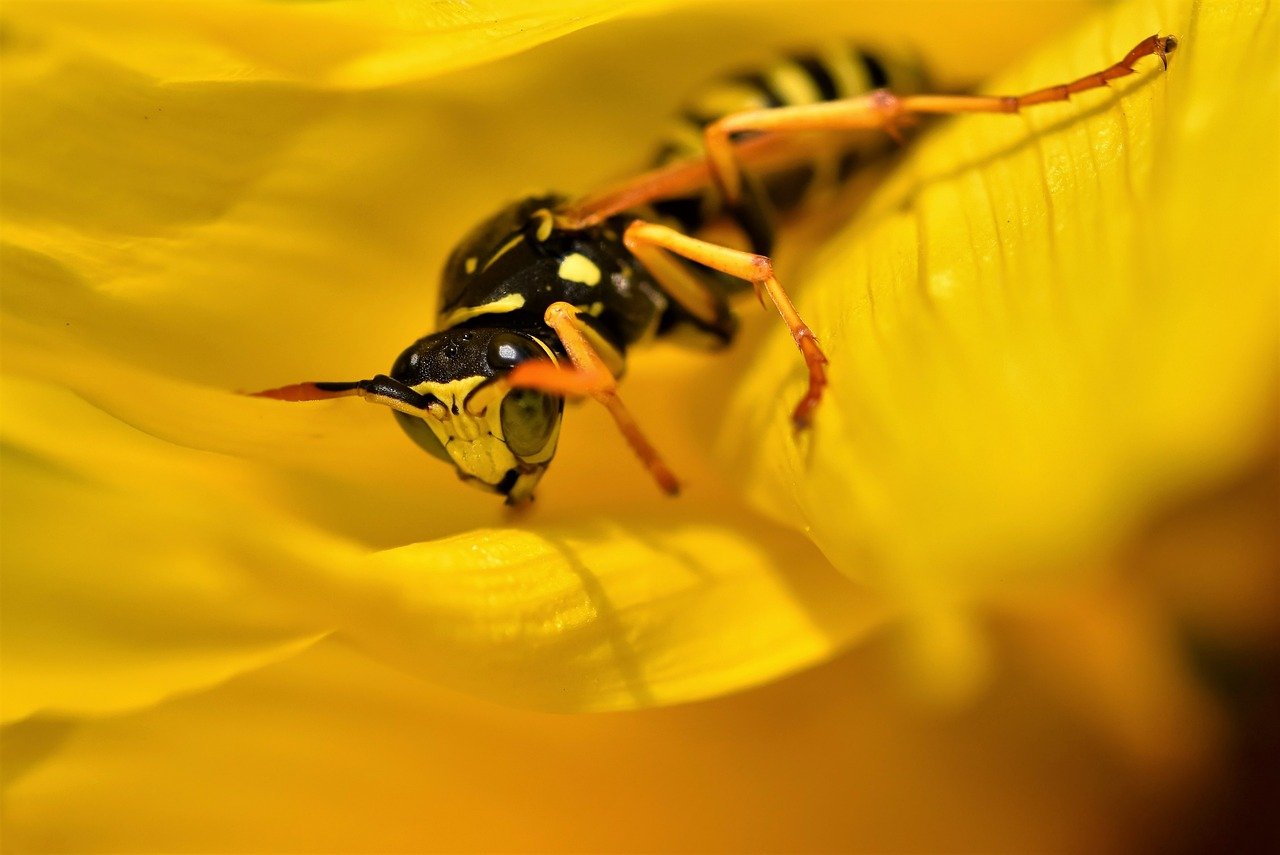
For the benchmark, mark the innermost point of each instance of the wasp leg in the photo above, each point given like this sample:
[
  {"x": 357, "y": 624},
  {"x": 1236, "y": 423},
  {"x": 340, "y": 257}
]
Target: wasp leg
[
  {"x": 379, "y": 390},
  {"x": 888, "y": 112},
  {"x": 682, "y": 285},
  {"x": 665, "y": 182},
  {"x": 643, "y": 239},
  {"x": 678, "y": 179},
  {"x": 589, "y": 377}
]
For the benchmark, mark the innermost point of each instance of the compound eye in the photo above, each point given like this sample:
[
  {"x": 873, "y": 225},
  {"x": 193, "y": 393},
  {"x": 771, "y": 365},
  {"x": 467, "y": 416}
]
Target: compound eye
[
  {"x": 528, "y": 420},
  {"x": 507, "y": 350}
]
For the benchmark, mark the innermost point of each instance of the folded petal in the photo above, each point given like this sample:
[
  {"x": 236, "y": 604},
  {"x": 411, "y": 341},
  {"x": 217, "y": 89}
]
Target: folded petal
[
  {"x": 1045, "y": 328},
  {"x": 135, "y": 569},
  {"x": 126, "y": 576},
  {"x": 603, "y": 613}
]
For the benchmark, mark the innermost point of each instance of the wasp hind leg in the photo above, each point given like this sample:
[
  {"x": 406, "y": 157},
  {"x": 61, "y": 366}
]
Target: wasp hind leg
[
  {"x": 650, "y": 240},
  {"x": 590, "y": 376},
  {"x": 888, "y": 112}
]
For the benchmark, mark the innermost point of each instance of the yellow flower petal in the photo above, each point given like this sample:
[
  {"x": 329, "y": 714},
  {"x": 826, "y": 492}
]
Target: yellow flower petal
[
  {"x": 342, "y": 44},
  {"x": 206, "y": 197},
  {"x": 331, "y": 752},
  {"x": 117, "y": 591},
  {"x": 603, "y": 614},
  {"x": 1108, "y": 656},
  {"x": 1045, "y": 328},
  {"x": 135, "y": 569}
]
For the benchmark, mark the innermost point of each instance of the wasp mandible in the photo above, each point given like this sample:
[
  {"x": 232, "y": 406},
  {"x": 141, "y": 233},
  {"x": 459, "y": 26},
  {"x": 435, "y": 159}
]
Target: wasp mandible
[{"x": 542, "y": 301}]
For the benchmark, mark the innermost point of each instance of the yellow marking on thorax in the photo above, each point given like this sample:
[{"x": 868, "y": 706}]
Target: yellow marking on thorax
[
  {"x": 546, "y": 222},
  {"x": 502, "y": 250},
  {"x": 509, "y": 303},
  {"x": 578, "y": 268}
]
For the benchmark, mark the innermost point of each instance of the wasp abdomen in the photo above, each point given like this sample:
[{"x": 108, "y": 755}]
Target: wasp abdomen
[{"x": 804, "y": 77}]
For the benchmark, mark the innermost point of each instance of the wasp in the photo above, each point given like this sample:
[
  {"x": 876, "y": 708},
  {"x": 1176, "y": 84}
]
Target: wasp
[{"x": 542, "y": 302}]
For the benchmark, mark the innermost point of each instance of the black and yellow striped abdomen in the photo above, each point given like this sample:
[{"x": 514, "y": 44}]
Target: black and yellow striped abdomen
[{"x": 804, "y": 77}]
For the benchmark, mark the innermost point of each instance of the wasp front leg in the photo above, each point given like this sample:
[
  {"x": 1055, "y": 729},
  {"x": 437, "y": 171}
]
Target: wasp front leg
[
  {"x": 645, "y": 239},
  {"x": 590, "y": 376}
]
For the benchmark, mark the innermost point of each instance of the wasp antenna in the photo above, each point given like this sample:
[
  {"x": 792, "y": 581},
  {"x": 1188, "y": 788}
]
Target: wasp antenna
[
  {"x": 311, "y": 391},
  {"x": 379, "y": 390}
]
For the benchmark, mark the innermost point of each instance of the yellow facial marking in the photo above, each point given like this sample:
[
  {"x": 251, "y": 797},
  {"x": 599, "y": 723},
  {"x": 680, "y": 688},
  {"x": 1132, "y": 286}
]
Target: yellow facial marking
[
  {"x": 474, "y": 442},
  {"x": 509, "y": 303},
  {"x": 578, "y": 268},
  {"x": 470, "y": 265},
  {"x": 451, "y": 394}
]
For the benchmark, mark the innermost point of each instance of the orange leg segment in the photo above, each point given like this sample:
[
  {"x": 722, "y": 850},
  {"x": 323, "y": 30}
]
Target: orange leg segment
[
  {"x": 642, "y": 238},
  {"x": 589, "y": 376}
]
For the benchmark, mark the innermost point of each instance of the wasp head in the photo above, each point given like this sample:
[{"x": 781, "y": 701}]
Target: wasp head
[{"x": 498, "y": 438}]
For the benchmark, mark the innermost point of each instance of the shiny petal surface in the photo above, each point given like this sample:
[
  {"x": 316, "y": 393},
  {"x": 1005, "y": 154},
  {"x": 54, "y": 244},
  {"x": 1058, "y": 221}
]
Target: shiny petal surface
[{"x": 1045, "y": 328}]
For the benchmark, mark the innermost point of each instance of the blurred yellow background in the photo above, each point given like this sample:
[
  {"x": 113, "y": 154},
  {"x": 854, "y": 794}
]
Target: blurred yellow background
[{"x": 1016, "y": 592}]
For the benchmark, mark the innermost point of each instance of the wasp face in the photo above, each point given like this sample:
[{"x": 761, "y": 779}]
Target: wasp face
[{"x": 497, "y": 438}]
